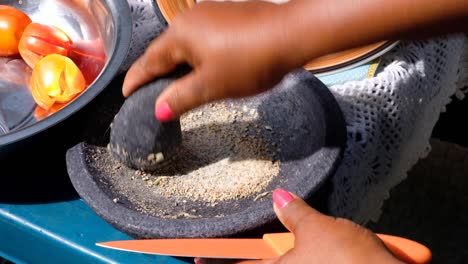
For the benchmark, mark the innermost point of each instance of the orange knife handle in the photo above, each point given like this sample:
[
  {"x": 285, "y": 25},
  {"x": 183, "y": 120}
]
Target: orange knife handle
[
  {"x": 406, "y": 250},
  {"x": 280, "y": 242}
]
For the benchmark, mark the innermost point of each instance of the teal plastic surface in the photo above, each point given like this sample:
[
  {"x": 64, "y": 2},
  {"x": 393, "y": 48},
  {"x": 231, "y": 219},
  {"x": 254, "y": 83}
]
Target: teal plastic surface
[{"x": 63, "y": 232}]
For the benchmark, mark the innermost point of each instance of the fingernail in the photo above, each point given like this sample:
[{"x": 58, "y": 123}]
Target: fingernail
[
  {"x": 281, "y": 198},
  {"x": 197, "y": 261},
  {"x": 164, "y": 112}
]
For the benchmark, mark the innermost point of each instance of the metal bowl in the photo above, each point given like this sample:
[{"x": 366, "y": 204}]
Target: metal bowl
[{"x": 107, "y": 22}]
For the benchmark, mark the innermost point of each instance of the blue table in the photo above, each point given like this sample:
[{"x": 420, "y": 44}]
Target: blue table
[
  {"x": 65, "y": 229},
  {"x": 62, "y": 232}
]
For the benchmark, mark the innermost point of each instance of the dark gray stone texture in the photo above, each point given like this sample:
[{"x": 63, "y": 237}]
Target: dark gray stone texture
[
  {"x": 310, "y": 131},
  {"x": 137, "y": 138}
]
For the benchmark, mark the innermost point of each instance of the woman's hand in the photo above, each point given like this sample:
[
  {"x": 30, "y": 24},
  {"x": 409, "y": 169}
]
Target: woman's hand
[
  {"x": 322, "y": 239},
  {"x": 239, "y": 49},
  {"x": 234, "y": 49}
]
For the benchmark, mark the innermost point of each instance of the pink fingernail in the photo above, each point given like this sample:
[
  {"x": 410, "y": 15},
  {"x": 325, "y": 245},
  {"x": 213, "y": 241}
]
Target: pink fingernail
[
  {"x": 282, "y": 198},
  {"x": 197, "y": 261},
  {"x": 164, "y": 113}
]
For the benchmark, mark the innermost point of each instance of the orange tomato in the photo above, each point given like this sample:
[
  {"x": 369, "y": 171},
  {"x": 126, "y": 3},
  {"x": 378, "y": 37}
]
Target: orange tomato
[
  {"x": 55, "y": 79},
  {"x": 39, "y": 40},
  {"x": 41, "y": 113},
  {"x": 12, "y": 24}
]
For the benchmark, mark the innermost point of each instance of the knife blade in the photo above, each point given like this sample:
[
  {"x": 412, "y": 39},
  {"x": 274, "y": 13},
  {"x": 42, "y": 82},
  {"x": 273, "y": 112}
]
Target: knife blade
[{"x": 270, "y": 246}]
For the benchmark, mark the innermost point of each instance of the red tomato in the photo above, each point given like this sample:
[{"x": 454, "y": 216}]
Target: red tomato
[
  {"x": 90, "y": 57},
  {"x": 12, "y": 24},
  {"x": 56, "y": 79},
  {"x": 40, "y": 40}
]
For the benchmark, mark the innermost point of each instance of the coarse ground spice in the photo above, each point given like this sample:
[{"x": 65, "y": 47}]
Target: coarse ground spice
[{"x": 223, "y": 156}]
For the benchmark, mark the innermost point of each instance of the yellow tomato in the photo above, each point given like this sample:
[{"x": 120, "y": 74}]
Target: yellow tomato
[{"x": 56, "y": 79}]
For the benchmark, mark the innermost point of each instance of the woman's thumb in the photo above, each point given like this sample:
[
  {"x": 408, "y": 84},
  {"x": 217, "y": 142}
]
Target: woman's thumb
[{"x": 293, "y": 212}]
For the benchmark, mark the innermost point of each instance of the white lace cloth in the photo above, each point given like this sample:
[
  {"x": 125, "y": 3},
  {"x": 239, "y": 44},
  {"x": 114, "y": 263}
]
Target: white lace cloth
[{"x": 390, "y": 117}]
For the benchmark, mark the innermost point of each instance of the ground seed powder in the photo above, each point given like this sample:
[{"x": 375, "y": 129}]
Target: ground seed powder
[{"x": 224, "y": 155}]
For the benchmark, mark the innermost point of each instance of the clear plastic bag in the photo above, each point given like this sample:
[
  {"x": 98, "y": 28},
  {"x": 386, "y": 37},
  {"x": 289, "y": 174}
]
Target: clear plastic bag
[{"x": 16, "y": 102}]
